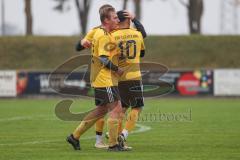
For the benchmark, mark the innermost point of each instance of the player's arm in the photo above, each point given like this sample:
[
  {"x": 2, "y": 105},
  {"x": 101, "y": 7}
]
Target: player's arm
[
  {"x": 142, "y": 53},
  {"x": 137, "y": 23},
  {"x": 109, "y": 65},
  {"x": 79, "y": 47},
  {"x": 86, "y": 42},
  {"x": 139, "y": 27},
  {"x": 104, "y": 55}
]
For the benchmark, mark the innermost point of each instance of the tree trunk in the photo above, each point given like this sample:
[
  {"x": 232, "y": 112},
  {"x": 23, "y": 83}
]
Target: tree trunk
[
  {"x": 125, "y": 4},
  {"x": 3, "y": 18},
  {"x": 195, "y": 11},
  {"x": 29, "y": 19},
  {"x": 83, "y": 11},
  {"x": 138, "y": 9}
]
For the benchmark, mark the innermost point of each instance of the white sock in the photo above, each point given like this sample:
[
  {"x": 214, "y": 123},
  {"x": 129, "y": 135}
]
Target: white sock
[
  {"x": 125, "y": 133},
  {"x": 98, "y": 138}
]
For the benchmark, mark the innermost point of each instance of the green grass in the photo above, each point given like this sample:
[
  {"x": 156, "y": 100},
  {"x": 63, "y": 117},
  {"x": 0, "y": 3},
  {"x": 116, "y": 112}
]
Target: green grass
[{"x": 30, "y": 130}]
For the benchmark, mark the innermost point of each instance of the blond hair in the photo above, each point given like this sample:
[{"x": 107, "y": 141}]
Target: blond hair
[{"x": 105, "y": 10}]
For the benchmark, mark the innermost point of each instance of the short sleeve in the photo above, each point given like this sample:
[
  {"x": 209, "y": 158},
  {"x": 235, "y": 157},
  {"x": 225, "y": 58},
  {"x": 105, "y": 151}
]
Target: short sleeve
[{"x": 90, "y": 35}]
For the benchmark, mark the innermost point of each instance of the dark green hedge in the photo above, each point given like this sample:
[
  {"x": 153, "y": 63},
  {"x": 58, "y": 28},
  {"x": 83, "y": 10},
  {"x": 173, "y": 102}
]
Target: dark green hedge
[{"x": 173, "y": 51}]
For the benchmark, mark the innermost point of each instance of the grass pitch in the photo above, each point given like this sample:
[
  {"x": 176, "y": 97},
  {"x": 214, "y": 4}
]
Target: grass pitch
[{"x": 180, "y": 129}]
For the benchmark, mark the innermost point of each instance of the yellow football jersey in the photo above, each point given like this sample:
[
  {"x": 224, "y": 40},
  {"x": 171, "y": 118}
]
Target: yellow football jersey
[
  {"x": 130, "y": 43},
  {"x": 91, "y": 33},
  {"x": 102, "y": 44}
]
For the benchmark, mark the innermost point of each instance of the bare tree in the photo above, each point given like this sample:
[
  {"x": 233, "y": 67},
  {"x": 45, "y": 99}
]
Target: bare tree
[
  {"x": 195, "y": 11},
  {"x": 29, "y": 19},
  {"x": 3, "y": 18},
  {"x": 125, "y": 4},
  {"x": 82, "y": 6},
  {"x": 137, "y": 7}
]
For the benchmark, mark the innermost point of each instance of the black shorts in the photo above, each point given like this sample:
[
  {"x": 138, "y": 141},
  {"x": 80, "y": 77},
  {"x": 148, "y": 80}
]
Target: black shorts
[
  {"x": 106, "y": 95},
  {"x": 131, "y": 93}
]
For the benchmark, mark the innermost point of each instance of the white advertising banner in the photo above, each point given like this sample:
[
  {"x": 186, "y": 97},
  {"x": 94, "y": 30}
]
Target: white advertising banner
[
  {"x": 227, "y": 82},
  {"x": 8, "y": 84}
]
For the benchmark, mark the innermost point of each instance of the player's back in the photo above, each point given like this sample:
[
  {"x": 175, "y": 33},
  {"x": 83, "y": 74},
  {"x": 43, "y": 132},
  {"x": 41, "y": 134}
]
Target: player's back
[{"x": 130, "y": 43}]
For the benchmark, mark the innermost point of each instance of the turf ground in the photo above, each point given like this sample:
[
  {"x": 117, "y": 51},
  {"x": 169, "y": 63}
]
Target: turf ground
[{"x": 30, "y": 130}]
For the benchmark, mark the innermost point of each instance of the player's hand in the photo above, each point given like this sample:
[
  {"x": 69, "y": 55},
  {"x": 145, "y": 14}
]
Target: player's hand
[
  {"x": 119, "y": 72},
  {"x": 127, "y": 14},
  {"x": 85, "y": 43},
  {"x": 79, "y": 47}
]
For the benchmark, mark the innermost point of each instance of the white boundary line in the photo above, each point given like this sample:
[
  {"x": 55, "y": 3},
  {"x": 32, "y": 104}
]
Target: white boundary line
[
  {"x": 22, "y": 118},
  {"x": 141, "y": 129}
]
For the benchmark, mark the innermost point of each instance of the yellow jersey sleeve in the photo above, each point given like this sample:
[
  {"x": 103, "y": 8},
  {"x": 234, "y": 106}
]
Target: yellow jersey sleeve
[{"x": 90, "y": 35}]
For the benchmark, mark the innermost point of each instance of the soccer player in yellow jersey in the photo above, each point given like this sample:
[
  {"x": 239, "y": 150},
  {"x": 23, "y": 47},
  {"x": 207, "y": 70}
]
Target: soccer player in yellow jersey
[
  {"x": 130, "y": 86},
  {"x": 131, "y": 47},
  {"x": 104, "y": 72}
]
